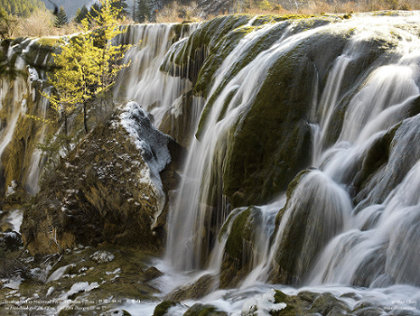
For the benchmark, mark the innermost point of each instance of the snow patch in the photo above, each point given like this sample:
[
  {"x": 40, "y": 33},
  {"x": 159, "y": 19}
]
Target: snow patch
[
  {"x": 57, "y": 274},
  {"x": 11, "y": 189},
  {"x": 152, "y": 144},
  {"x": 102, "y": 256},
  {"x": 261, "y": 305},
  {"x": 15, "y": 219},
  {"x": 13, "y": 284}
]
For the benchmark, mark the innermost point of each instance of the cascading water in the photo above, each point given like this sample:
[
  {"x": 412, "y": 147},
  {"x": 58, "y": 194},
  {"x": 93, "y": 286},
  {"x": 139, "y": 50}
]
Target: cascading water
[
  {"x": 20, "y": 95},
  {"x": 143, "y": 81},
  {"x": 302, "y": 164},
  {"x": 361, "y": 229}
]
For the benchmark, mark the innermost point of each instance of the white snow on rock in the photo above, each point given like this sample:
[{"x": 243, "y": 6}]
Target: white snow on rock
[
  {"x": 261, "y": 305},
  {"x": 57, "y": 274},
  {"x": 80, "y": 287},
  {"x": 15, "y": 219},
  {"x": 152, "y": 144},
  {"x": 13, "y": 283},
  {"x": 11, "y": 189},
  {"x": 102, "y": 256}
]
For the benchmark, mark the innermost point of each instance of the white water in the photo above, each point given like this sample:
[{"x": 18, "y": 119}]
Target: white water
[
  {"x": 379, "y": 103},
  {"x": 34, "y": 171},
  {"x": 384, "y": 230},
  {"x": 18, "y": 109},
  {"x": 22, "y": 93},
  {"x": 143, "y": 81}
]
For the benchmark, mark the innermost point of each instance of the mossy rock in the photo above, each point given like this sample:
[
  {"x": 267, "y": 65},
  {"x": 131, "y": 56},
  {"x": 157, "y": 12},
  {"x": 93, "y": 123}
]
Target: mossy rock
[
  {"x": 199, "y": 288},
  {"x": 310, "y": 303},
  {"x": 96, "y": 194},
  {"x": 240, "y": 247},
  {"x": 383, "y": 166},
  {"x": 277, "y": 117},
  {"x": 192, "y": 53},
  {"x": 315, "y": 215},
  {"x": 204, "y": 310},
  {"x": 162, "y": 308}
]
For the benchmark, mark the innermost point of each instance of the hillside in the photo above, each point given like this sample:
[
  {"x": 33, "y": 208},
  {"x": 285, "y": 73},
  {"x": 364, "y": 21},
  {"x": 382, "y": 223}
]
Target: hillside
[{"x": 20, "y": 7}]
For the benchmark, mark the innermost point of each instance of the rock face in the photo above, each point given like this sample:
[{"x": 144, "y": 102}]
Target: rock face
[
  {"x": 107, "y": 189},
  {"x": 23, "y": 65},
  {"x": 240, "y": 245},
  {"x": 316, "y": 211}
]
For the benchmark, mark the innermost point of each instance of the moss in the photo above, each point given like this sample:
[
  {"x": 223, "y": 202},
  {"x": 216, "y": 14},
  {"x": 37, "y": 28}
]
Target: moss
[
  {"x": 162, "y": 308},
  {"x": 239, "y": 248},
  {"x": 199, "y": 288},
  {"x": 204, "y": 310},
  {"x": 192, "y": 53},
  {"x": 48, "y": 41}
]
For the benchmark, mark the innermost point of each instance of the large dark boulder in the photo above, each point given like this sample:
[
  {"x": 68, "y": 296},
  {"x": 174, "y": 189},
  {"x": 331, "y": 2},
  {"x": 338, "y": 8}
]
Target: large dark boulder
[{"x": 108, "y": 188}]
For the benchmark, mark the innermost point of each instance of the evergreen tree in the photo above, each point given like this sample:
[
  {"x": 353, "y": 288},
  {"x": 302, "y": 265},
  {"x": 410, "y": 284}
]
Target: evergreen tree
[
  {"x": 121, "y": 6},
  {"x": 8, "y": 24},
  {"x": 21, "y": 7},
  {"x": 81, "y": 14},
  {"x": 61, "y": 18},
  {"x": 143, "y": 11}
]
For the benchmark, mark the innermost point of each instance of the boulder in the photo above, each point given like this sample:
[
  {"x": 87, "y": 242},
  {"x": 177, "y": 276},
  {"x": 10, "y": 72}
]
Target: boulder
[{"x": 108, "y": 188}]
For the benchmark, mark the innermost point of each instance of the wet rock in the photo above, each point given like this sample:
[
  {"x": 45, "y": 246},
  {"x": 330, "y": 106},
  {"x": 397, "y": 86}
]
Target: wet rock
[
  {"x": 204, "y": 310},
  {"x": 309, "y": 303},
  {"x": 315, "y": 211},
  {"x": 106, "y": 189},
  {"x": 162, "y": 308},
  {"x": 102, "y": 256},
  {"x": 240, "y": 245},
  {"x": 152, "y": 273},
  {"x": 203, "y": 286}
]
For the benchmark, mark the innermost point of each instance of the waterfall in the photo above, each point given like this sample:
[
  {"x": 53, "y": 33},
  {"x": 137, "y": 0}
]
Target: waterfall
[
  {"x": 143, "y": 81},
  {"x": 352, "y": 228},
  {"x": 300, "y": 159}
]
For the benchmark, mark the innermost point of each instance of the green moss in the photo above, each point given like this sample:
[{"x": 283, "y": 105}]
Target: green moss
[
  {"x": 162, "y": 308},
  {"x": 239, "y": 248},
  {"x": 48, "y": 41},
  {"x": 204, "y": 310},
  {"x": 192, "y": 53}
]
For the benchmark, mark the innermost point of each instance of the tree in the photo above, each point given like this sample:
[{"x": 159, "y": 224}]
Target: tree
[
  {"x": 61, "y": 18},
  {"x": 81, "y": 14},
  {"x": 120, "y": 5},
  {"x": 143, "y": 11},
  {"x": 8, "y": 24},
  {"x": 88, "y": 63}
]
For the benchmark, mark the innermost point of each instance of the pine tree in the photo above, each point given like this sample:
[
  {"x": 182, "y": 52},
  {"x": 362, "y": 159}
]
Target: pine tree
[
  {"x": 61, "y": 18},
  {"x": 121, "y": 6},
  {"x": 81, "y": 14},
  {"x": 8, "y": 24},
  {"x": 143, "y": 11}
]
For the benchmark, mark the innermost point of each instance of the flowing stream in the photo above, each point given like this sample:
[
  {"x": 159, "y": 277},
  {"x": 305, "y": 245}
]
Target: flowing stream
[
  {"x": 349, "y": 219},
  {"x": 353, "y": 239}
]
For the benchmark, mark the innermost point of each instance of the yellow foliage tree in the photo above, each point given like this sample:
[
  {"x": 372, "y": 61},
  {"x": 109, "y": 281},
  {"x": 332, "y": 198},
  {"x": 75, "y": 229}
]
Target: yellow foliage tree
[{"x": 88, "y": 63}]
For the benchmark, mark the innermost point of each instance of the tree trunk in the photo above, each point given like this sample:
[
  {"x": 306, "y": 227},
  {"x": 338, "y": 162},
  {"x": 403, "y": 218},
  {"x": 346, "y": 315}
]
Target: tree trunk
[
  {"x": 85, "y": 118},
  {"x": 66, "y": 132}
]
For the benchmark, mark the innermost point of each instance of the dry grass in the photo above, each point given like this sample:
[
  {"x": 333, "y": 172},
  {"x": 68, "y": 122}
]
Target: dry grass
[
  {"x": 175, "y": 12},
  {"x": 323, "y": 6},
  {"x": 41, "y": 22}
]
